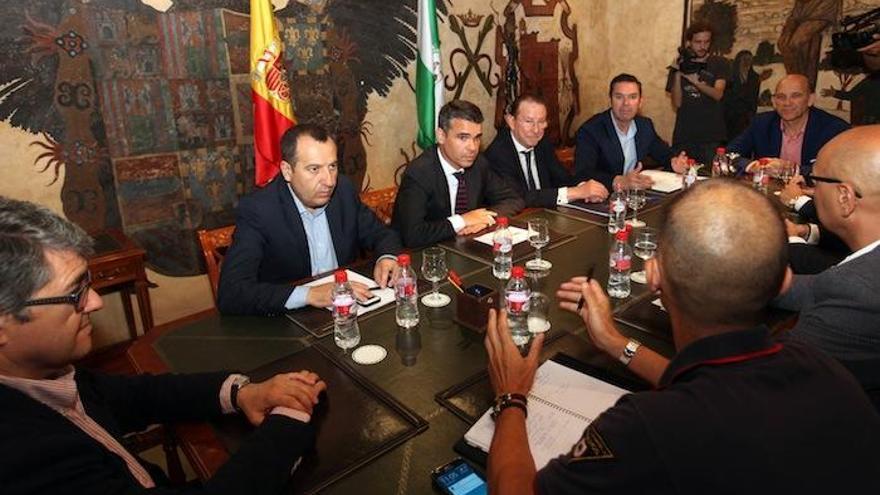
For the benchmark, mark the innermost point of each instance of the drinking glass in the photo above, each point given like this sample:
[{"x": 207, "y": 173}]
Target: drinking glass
[
  {"x": 787, "y": 170},
  {"x": 644, "y": 247},
  {"x": 539, "y": 236},
  {"x": 434, "y": 270},
  {"x": 635, "y": 199},
  {"x": 539, "y": 306}
]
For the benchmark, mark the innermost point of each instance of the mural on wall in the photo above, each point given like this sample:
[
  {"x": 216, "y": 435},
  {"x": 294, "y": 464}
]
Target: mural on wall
[
  {"x": 149, "y": 112},
  {"x": 788, "y": 36}
]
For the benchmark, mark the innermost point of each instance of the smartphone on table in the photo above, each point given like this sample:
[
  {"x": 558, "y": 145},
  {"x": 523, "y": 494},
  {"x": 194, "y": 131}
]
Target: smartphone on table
[{"x": 459, "y": 478}]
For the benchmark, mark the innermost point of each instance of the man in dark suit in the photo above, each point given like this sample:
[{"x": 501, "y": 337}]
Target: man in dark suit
[
  {"x": 522, "y": 155},
  {"x": 431, "y": 205},
  {"x": 794, "y": 131},
  {"x": 61, "y": 427},
  {"x": 612, "y": 144},
  {"x": 308, "y": 220},
  {"x": 840, "y": 308}
]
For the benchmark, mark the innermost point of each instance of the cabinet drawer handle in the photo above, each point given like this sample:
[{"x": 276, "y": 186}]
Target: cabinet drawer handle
[{"x": 110, "y": 275}]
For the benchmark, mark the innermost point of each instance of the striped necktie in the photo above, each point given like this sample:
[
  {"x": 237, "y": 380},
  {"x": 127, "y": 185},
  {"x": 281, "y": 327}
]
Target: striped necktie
[
  {"x": 530, "y": 178},
  {"x": 461, "y": 196}
]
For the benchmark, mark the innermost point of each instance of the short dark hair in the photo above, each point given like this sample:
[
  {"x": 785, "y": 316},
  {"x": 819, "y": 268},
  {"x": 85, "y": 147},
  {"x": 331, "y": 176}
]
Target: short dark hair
[
  {"x": 27, "y": 231},
  {"x": 291, "y": 137},
  {"x": 458, "y": 109},
  {"x": 513, "y": 108},
  {"x": 698, "y": 27},
  {"x": 621, "y": 78}
]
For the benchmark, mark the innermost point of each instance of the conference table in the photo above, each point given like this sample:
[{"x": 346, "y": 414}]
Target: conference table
[{"x": 389, "y": 424}]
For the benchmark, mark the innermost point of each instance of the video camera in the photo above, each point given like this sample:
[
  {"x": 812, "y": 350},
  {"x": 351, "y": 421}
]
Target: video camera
[
  {"x": 855, "y": 32},
  {"x": 686, "y": 62}
]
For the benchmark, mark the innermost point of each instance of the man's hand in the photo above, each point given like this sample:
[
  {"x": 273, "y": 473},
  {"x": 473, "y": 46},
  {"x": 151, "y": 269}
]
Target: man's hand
[
  {"x": 792, "y": 229},
  {"x": 693, "y": 78},
  {"x": 590, "y": 191},
  {"x": 679, "y": 163},
  {"x": 596, "y": 313},
  {"x": 873, "y": 49},
  {"x": 385, "y": 273},
  {"x": 795, "y": 188},
  {"x": 480, "y": 216},
  {"x": 635, "y": 177},
  {"x": 321, "y": 296},
  {"x": 509, "y": 372},
  {"x": 293, "y": 390}
]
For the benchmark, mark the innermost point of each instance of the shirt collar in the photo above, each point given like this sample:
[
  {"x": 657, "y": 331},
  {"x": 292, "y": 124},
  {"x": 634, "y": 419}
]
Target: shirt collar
[
  {"x": 59, "y": 393},
  {"x": 728, "y": 347},
  {"x": 301, "y": 208},
  {"x": 800, "y": 132},
  {"x": 448, "y": 169},
  {"x": 865, "y": 250},
  {"x": 519, "y": 147},
  {"x": 630, "y": 132}
]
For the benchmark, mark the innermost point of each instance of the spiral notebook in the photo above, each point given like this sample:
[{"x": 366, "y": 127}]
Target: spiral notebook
[{"x": 562, "y": 403}]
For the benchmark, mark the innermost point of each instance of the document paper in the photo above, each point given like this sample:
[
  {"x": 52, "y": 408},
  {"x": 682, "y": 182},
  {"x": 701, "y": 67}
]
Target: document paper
[
  {"x": 562, "y": 403},
  {"x": 519, "y": 235}
]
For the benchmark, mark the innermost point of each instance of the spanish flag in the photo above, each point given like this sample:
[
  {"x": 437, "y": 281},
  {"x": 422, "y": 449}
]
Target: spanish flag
[{"x": 273, "y": 112}]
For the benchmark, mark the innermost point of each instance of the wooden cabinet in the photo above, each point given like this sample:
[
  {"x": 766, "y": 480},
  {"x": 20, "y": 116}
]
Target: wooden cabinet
[{"x": 118, "y": 264}]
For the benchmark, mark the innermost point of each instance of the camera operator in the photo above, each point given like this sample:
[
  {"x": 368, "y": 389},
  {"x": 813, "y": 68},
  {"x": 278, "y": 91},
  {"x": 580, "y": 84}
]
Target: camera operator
[
  {"x": 696, "y": 83},
  {"x": 859, "y": 48}
]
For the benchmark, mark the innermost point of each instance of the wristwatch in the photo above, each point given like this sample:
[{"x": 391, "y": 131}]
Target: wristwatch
[
  {"x": 504, "y": 401},
  {"x": 629, "y": 351},
  {"x": 237, "y": 385}
]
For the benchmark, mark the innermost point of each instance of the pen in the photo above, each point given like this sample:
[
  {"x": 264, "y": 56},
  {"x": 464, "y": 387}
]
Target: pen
[
  {"x": 581, "y": 301},
  {"x": 455, "y": 280}
]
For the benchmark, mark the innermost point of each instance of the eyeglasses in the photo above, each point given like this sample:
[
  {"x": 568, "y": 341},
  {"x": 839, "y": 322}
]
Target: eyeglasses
[
  {"x": 811, "y": 180},
  {"x": 78, "y": 298}
]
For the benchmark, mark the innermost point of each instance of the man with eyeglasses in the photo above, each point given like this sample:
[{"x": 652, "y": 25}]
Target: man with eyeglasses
[
  {"x": 521, "y": 154},
  {"x": 61, "y": 426},
  {"x": 840, "y": 307}
]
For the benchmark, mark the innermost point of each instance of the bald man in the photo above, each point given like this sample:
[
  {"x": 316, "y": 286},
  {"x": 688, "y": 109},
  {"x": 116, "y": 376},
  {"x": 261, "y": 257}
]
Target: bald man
[
  {"x": 794, "y": 131},
  {"x": 734, "y": 411},
  {"x": 840, "y": 307}
]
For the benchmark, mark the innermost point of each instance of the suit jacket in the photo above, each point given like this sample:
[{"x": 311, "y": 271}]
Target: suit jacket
[
  {"x": 43, "y": 452},
  {"x": 505, "y": 162},
  {"x": 840, "y": 311},
  {"x": 764, "y": 137},
  {"x": 270, "y": 249},
  {"x": 598, "y": 154},
  {"x": 422, "y": 205}
]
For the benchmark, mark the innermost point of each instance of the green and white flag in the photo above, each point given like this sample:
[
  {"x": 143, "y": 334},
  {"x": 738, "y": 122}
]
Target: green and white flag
[{"x": 429, "y": 77}]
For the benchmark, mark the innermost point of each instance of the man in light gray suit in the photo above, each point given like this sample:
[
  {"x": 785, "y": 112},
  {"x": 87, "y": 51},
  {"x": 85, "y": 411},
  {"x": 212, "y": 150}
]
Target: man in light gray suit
[{"x": 840, "y": 307}]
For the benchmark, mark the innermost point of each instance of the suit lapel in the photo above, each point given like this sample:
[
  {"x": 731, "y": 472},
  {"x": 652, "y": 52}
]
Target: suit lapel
[
  {"x": 513, "y": 156},
  {"x": 440, "y": 179},
  {"x": 291, "y": 216},
  {"x": 614, "y": 144},
  {"x": 334, "y": 220}
]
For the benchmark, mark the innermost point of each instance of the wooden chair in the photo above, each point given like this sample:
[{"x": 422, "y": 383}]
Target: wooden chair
[
  {"x": 566, "y": 158},
  {"x": 381, "y": 201},
  {"x": 214, "y": 244}
]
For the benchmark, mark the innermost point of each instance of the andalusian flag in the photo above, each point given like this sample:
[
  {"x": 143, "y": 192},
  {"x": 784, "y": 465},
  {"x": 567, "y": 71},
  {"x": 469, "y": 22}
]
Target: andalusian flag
[
  {"x": 429, "y": 78},
  {"x": 273, "y": 113}
]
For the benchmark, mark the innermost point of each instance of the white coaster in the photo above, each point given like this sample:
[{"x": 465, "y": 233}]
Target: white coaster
[
  {"x": 369, "y": 354},
  {"x": 639, "y": 277}
]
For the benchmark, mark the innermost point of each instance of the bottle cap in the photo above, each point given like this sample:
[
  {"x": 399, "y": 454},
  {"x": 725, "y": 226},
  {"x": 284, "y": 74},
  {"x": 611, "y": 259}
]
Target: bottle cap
[
  {"x": 720, "y": 150},
  {"x": 622, "y": 235},
  {"x": 692, "y": 161},
  {"x": 340, "y": 276},
  {"x": 501, "y": 221},
  {"x": 403, "y": 259},
  {"x": 517, "y": 272}
]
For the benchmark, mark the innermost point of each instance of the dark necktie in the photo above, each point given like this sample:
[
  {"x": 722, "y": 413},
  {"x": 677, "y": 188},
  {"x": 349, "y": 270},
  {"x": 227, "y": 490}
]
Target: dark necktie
[
  {"x": 531, "y": 180},
  {"x": 461, "y": 196}
]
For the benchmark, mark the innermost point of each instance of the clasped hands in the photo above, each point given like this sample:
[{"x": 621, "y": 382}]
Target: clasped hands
[{"x": 298, "y": 391}]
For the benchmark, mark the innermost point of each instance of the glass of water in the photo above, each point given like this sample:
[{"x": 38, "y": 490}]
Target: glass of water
[
  {"x": 644, "y": 247},
  {"x": 539, "y": 236},
  {"x": 539, "y": 307},
  {"x": 635, "y": 199},
  {"x": 434, "y": 270}
]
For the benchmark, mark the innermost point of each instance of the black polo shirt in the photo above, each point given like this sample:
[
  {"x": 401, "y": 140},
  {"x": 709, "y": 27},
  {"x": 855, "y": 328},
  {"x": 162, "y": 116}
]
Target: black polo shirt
[{"x": 734, "y": 413}]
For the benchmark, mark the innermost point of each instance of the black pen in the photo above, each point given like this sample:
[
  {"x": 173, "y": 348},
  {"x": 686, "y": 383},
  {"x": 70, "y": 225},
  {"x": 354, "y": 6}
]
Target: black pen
[{"x": 581, "y": 301}]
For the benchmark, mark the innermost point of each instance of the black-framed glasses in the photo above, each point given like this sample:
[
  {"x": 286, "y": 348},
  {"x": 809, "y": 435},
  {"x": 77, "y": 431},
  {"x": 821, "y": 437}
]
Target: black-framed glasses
[
  {"x": 811, "y": 180},
  {"x": 78, "y": 298}
]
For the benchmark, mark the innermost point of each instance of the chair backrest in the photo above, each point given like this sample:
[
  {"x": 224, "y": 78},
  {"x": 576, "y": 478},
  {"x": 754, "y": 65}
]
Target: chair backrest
[
  {"x": 566, "y": 157},
  {"x": 214, "y": 243},
  {"x": 381, "y": 201}
]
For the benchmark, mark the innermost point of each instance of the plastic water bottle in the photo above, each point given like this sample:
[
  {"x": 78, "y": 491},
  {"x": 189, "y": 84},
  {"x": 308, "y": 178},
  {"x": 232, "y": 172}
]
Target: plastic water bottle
[
  {"x": 619, "y": 263},
  {"x": 689, "y": 178},
  {"x": 720, "y": 163},
  {"x": 345, "y": 327},
  {"x": 516, "y": 298},
  {"x": 617, "y": 210},
  {"x": 406, "y": 294},
  {"x": 502, "y": 250}
]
